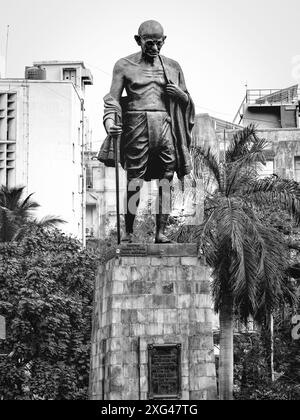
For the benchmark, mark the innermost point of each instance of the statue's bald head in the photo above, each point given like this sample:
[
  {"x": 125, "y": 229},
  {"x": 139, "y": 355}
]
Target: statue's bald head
[
  {"x": 151, "y": 28},
  {"x": 151, "y": 38}
]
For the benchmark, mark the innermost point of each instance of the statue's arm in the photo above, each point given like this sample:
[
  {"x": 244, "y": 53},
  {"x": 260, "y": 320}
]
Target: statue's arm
[
  {"x": 178, "y": 90},
  {"x": 115, "y": 95}
]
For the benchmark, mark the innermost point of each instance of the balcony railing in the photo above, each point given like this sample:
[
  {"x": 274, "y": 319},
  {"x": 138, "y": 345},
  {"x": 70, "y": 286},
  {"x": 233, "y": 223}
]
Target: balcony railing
[
  {"x": 268, "y": 97},
  {"x": 273, "y": 96}
]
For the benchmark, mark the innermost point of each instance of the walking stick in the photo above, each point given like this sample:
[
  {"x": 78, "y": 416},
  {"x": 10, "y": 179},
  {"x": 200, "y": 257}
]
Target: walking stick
[{"x": 116, "y": 139}]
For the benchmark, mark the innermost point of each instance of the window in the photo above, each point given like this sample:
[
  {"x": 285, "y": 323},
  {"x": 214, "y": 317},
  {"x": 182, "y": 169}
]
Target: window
[
  {"x": 8, "y": 104},
  {"x": 69, "y": 74},
  {"x": 89, "y": 178},
  {"x": 297, "y": 169}
]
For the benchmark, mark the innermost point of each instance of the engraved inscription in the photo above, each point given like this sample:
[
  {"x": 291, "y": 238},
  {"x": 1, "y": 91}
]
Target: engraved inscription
[
  {"x": 133, "y": 250},
  {"x": 164, "y": 371}
]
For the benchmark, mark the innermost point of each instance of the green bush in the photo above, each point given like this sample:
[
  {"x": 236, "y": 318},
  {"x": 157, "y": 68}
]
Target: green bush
[{"x": 46, "y": 295}]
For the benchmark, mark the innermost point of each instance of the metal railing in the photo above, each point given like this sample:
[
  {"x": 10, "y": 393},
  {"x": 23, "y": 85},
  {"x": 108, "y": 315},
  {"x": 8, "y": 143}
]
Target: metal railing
[
  {"x": 273, "y": 96},
  {"x": 263, "y": 97}
]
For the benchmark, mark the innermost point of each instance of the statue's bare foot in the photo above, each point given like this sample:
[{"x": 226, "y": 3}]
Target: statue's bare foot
[
  {"x": 162, "y": 239},
  {"x": 127, "y": 238}
]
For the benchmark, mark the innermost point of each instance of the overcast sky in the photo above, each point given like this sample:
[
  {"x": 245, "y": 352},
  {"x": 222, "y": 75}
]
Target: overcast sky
[{"x": 220, "y": 44}]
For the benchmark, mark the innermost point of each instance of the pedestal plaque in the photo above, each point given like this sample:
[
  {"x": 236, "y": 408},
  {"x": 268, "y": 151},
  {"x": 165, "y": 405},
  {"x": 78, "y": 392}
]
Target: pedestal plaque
[{"x": 164, "y": 371}]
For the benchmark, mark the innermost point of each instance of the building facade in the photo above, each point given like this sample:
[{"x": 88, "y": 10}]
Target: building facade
[
  {"x": 42, "y": 139},
  {"x": 276, "y": 115}
]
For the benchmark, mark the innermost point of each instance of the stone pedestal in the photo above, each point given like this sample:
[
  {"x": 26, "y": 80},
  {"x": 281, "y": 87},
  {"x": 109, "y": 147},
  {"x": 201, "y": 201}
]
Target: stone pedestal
[{"x": 152, "y": 317}]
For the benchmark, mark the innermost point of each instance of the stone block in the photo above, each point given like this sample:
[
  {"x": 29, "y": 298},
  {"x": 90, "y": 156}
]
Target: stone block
[
  {"x": 199, "y": 369},
  {"x": 154, "y": 329},
  {"x": 164, "y": 301},
  {"x": 115, "y": 316},
  {"x": 158, "y": 316},
  {"x": 202, "y": 301},
  {"x": 144, "y": 384},
  {"x": 205, "y": 287},
  {"x": 115, "y": 344},
  {"x": 184, "y": 301},
  {"x": 184, "y": 316},
  {"x": 128, "y": 261},
  {"x": 185, "y": 383},
  {"x": 130, "y": 357},
  {"x": 185, "y": 369},
  {"x": 144, "y": 396},
  {"x": 170, "y": 329},
  {"x": 145, "y": 316},
  {"x": 130, "y": 372},
  {"x": 121, "y": 274},
  {"x": 117, "y": 288},
  {"x": 189, "y": 261},
  {"x": 211, "y": 369},
  {"x": 140, "y": 287},
  {"x": 116, "y": 330},
  {"x": 170, "y": 316},
  {"x": 197, "y": 315},
  {"x": 198, "y": 395},
  {"x": 156, "y": 261},
  {"x": 172, "y": 261},
  {"x": 168, "y": 288},
  {"x": 199, "y": 383},
  {"x": 184, "y": 287},
  {"x": 115, "y": 358},
  {"x": 113, "y": 396},
  {"x": 143, "y": 261},
  {"x": 137, "y": 330},
  {"x": 143, "y": 357},
  {"x": 129, "y": 316}
]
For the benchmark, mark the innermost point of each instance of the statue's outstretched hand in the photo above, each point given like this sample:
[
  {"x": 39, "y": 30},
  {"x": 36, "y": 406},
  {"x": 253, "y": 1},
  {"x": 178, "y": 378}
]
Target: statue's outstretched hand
[{"x": 175, "y": 92}]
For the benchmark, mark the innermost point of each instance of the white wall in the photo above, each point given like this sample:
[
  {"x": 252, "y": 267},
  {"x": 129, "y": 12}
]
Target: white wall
[
  {"x": 55, "y": 152},
  {"x": 47, "y": 163}
]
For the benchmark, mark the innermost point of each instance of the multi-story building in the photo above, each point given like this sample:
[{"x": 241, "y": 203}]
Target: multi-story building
[
  {"x": 276, "y": 116},
  {"x": 42, "y": 138}
]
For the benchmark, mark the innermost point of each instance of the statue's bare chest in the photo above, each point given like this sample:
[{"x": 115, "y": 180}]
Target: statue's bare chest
[{"x": 139, "y": 77}]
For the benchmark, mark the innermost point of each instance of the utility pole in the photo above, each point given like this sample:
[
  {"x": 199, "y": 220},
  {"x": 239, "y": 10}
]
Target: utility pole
[
  {"x": 83, "y": 174},
  {"x": 2, "y": 328},
  {"x": 6, "y": 52}
]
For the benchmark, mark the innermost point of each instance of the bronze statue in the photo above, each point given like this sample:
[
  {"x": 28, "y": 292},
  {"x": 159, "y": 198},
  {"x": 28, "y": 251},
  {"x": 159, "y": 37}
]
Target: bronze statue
[{"x": 154, "y": 120}]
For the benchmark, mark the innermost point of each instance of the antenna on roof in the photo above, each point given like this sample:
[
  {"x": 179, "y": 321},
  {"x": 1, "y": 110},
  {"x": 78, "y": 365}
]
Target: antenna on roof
[{"x": 6, "y": 51}]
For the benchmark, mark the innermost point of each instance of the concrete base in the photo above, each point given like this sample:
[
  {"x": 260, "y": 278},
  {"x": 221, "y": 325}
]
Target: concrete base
[{"x": 161, "y": 296}]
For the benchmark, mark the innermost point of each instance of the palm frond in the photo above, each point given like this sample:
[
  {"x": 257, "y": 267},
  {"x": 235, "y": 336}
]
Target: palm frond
[
  {"x": 49, "y": 222},
  {"x": 241, "y": 143},
  {"x": 28, "y": 204},
  {"x": 8, "y": 227},
  {"x": 10, "y": 197},
  {"x": 273, "y": 285},
  {"x": 206, "y": 157},
  {"x": 276, "y": 191}
]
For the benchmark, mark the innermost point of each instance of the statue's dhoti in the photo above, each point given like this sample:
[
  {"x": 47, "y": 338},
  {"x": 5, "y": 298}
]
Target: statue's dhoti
[{"x": 148, "y": 145}]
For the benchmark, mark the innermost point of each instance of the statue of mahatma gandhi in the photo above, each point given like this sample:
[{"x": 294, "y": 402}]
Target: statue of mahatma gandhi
[{"x": 154, "y": 121}]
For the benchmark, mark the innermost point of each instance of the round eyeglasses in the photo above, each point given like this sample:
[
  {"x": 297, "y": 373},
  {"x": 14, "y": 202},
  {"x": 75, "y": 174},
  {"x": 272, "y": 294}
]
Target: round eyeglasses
[{"x": 151, "y": 42}]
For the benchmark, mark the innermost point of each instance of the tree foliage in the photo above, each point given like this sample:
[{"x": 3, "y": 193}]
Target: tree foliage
[
  {"x": 249, "y": 256},
  {"x": 46, "y": 294},
  {"x": 16, "y": 214}
]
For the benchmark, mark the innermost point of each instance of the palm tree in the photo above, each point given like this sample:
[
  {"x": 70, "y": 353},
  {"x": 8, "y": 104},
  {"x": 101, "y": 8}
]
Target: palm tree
[
  {"x": 248, "y": 257},
  {"x": 16, "y": 214}
]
